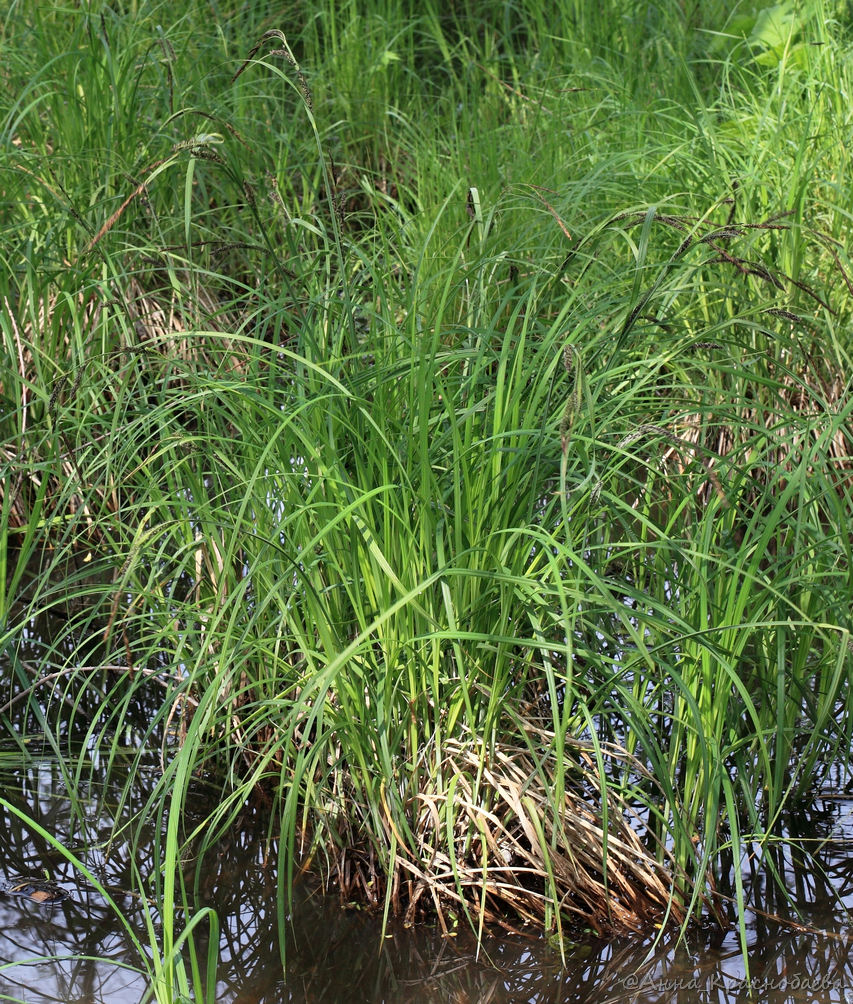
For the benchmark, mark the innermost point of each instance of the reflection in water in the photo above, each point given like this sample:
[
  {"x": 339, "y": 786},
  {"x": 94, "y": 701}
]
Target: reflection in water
[
  {"x": 76, "y": 949},
  {"x": 335, "y": 954}
]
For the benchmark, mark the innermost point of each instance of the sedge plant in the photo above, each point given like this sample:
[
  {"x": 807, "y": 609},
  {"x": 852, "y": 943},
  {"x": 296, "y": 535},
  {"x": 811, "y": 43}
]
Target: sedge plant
[{"x": 451, "y": 423}]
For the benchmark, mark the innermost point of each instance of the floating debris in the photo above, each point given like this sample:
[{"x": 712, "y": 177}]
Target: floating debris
[{"x": 34, "y": 889}]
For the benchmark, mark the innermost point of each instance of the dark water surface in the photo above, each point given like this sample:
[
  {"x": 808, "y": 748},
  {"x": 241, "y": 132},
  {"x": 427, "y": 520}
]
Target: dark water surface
[{"x": 75, "y": 949}]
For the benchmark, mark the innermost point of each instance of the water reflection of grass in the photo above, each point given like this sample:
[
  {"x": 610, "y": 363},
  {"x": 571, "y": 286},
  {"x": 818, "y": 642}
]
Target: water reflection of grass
[{"x": 450, "y": 428}]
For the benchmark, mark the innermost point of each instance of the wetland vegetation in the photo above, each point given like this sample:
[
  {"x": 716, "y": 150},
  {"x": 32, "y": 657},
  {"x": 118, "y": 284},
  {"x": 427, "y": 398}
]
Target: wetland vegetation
[{"x": 439, "y": 415}]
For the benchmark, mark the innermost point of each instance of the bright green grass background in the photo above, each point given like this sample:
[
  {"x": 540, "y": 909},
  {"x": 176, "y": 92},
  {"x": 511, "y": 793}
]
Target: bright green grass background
[{"x": 287, "y": 408}]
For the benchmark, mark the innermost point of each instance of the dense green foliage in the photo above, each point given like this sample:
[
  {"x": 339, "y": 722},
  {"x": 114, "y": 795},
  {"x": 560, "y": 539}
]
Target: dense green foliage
[{"x": 445, "y": 408}]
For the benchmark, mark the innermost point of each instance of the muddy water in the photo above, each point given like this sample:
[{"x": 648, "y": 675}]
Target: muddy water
[{"x": 74, "y": 948}]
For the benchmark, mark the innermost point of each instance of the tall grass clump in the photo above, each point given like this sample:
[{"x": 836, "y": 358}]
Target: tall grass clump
[{"x": 445, "y": 415}]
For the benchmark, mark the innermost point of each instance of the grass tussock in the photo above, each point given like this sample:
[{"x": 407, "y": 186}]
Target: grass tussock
[{"x": 442, "y": 417}]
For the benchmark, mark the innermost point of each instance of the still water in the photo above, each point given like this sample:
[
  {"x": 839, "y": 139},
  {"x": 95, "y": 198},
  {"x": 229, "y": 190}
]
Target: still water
[
  {"x": 62, "y": 941},
  {"x": 74, "y": 949}
]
